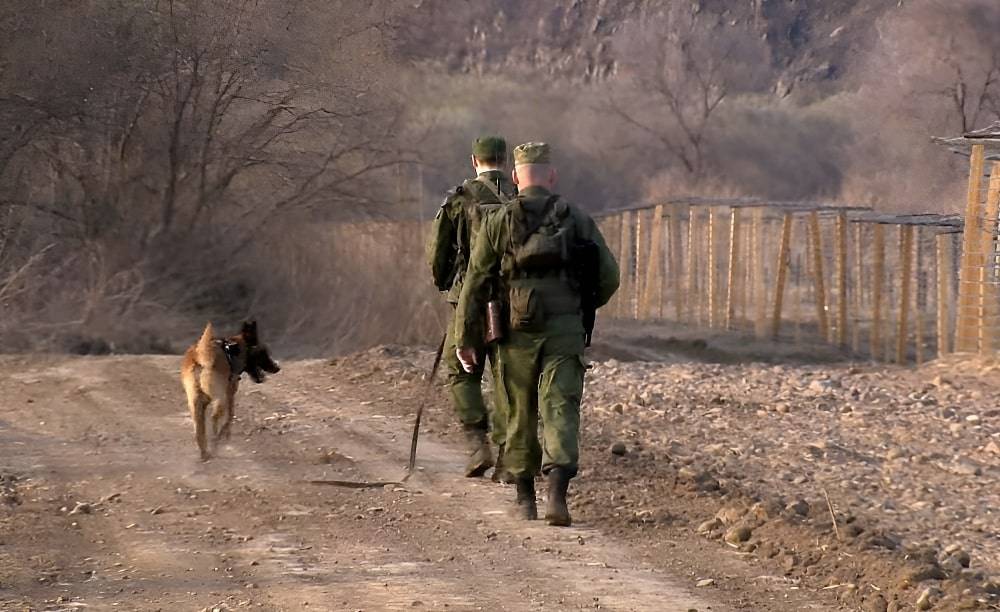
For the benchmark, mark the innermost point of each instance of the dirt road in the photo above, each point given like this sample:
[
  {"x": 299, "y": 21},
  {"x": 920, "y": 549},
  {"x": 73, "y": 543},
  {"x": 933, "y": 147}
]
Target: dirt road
[{"x": 105, "y": 507}]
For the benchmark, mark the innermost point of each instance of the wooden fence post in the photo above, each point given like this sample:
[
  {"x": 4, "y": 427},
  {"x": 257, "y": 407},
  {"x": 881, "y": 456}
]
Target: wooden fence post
[
  {"x": 967, "y": 333},
  {"x": 624, "y": 264},
  {"x": 713, "y": 262},
  {"x": 734, "y": 253},
  {"x": 781, "y": 273},
  {"x": 653, "y": 287},
  {"x": 676, "y": 261},
  {"x": 820, "y": 280},
  {"x": 987, "y": 272},
  {"x": 919, "y": 294},
  {"x": 841, "y": 256},
  {"x": 639, "y": 262},
  {"x": 944, "y": 285},
  {"x": 906, "y": 273},
  {"x": 878, "y": 282},
  {"x": 859, "y": 284},
  {"x": 692, "y": 297},
  {"x": 759, "y": 280}
]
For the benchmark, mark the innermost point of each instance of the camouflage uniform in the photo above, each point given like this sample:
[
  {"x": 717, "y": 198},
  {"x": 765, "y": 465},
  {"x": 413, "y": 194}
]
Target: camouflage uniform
[
  {"x": 541, "y": 364},
  {"x": 452, "y": 235}
]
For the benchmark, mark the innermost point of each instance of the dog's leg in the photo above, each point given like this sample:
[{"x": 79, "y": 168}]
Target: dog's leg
[
  {"x": 230, "y": 412},
  {"x": 197, "y": 402},
  {"x": 218, "y": 418},
  {"x": 198, "y": 415}
]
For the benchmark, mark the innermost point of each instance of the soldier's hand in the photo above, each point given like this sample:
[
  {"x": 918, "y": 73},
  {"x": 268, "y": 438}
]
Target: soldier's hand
[{"x": 467, "y": 356}]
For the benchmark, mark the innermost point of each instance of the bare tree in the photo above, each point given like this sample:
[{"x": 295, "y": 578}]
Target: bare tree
[
  {"x": 146, "y": 135},
  {"x": 681, "y": 70}
]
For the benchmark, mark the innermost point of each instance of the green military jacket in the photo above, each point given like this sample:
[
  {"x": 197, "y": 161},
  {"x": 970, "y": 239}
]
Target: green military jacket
[
  {"x": 457, "y": 223},
  {"x": 492, "y": 260}
]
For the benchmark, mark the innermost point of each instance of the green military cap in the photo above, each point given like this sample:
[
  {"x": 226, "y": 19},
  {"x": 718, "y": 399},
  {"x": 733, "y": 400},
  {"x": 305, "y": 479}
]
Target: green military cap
[
  {"x": 490, "y": 148},
  {"x": 531, "y": 153}
]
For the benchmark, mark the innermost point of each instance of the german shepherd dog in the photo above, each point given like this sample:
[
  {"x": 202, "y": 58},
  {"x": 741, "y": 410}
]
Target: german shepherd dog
[{"x": 211, "y": 373}]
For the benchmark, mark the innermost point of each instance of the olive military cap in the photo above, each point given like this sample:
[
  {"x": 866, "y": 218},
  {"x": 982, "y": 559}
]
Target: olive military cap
[
  {"x": 490, "y": 149},
  {"x": 531, "y": 153}
]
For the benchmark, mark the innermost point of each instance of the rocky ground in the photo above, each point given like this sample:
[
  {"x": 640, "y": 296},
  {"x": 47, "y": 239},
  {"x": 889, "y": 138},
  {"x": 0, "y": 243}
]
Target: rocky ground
[
  {"x": 760, "y": 456},
  {"x": 907, "y": 460}
]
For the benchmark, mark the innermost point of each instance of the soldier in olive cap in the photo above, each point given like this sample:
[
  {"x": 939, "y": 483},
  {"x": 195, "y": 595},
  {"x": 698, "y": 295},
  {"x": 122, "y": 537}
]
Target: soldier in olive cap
[
  {"x": 452, "y": 236},
  {"x": 528, "y": 246}
]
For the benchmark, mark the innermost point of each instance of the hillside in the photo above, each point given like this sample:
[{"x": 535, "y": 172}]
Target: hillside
[{"x": 810, "y": 42}]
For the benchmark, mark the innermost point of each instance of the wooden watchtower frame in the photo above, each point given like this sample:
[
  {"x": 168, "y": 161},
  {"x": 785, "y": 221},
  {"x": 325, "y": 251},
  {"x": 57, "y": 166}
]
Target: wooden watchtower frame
[{"x": 977, "y": 323}]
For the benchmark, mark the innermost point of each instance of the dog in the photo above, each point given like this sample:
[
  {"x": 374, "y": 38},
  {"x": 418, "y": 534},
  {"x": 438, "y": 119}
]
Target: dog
[{"x": 210, "y": 373}]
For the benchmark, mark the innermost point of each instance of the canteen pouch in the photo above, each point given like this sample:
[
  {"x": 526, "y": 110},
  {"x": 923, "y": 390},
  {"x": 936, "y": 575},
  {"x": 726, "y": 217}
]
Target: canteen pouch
[
  {"x": 494, "y": 321},
  {"x": 526, "y": 310}
]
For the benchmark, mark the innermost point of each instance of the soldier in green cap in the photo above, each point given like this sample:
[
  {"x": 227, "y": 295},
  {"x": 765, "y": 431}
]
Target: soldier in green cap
[
  {"x": 531, "y": 247},
  {"x": 452, "y": 236}
]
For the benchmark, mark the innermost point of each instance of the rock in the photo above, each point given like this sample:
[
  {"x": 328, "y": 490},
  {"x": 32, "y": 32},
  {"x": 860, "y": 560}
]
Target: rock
[
  {"x": 730, "y": 514},
  {"x": 618, "y": 408},
  {"x": 876, "y": 603},
  {"x": 965, "y": 467},
  {"x": 81, "y": 508},
  {"x": 707, "y": 582},
  {"x": 709, "y": 526},
  {"x": 823, "y": 386},
  {"x": 992, "y": 448},
  {"x": 924, "y": 601},
  {"x": 619, "y": 449},
  {"x": 895, "y": 453},
  {"x": 766, "y": 510},
  {"x": 927, "y": 572},
  {"x": 799, "y": 507},
  {"x": 738, "y": 534},
  {"x": 956, "y": 557}
]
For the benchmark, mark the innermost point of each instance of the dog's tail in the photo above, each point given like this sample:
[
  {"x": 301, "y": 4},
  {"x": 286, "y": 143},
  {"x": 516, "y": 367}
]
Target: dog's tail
[{"x": 205, "y": 348}]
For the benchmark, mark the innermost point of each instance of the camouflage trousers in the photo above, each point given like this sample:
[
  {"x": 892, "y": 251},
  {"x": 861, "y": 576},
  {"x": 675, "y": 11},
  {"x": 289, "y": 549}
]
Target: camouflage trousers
[
  {"x": 542, "y": 374},
  {"x": 467, "y": 388}
]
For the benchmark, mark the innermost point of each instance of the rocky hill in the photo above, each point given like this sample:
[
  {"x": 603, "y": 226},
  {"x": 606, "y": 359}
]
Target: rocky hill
[{"x": 811, "y": 42}]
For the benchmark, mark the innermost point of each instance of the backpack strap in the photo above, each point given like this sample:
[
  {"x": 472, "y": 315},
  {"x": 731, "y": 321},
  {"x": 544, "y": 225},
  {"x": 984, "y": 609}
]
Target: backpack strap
[{"x": 494, "y": 189}]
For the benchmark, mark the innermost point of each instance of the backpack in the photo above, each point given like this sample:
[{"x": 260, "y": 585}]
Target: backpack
[
  {"x": 540, "y": 244},
  {"x": 471, "y": 220},
  {"x": 539, "y": 247}
]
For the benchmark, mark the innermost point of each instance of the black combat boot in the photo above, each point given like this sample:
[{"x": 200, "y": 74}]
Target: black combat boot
[
  {"x": 557, "y": 512},
  {"x": 480, "y": 455},
  {"x": 526, "y": 508},
  {"x": 500, "y": 473}
]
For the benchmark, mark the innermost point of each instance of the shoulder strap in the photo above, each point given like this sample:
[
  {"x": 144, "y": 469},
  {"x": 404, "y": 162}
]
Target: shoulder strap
[{"x": 494, "y": 189}]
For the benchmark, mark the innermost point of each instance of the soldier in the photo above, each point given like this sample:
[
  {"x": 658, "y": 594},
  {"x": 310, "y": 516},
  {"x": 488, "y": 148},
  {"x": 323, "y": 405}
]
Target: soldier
[
  {"x": 452, "y": 236},
  {"x": 527, "y": 246}
]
